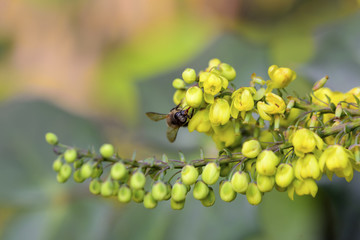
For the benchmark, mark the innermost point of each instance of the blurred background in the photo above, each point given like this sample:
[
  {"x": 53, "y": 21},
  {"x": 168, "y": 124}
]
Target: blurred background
[{"x": 88, "y": 70}]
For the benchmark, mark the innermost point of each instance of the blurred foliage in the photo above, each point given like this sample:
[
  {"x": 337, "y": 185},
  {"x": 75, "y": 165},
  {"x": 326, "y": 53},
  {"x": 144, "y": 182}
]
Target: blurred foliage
[{"x": 111, "y": 61}]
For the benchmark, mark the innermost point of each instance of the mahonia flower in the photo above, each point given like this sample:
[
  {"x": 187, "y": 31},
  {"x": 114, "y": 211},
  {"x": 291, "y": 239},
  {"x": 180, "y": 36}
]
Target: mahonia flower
[
  {"x": 179, "y": 96},
  {"x": 227, "y": 71},
  {"x": 242, "y": 100},
  {"x": 349, "y": 96},
  {"x": 225, "y": 136},
  {"x": 337, "y": 159},
  {"x": 307, "y": 167},
  {"x": 274, "y": 105},
  {"x": 200, "y": 122},
  {"x": 320, "y": 98},
  {"x": 280, "y": 77},
  {"x": 251, "y": 148},
  {"x": 219, "y": 112},
  {"x": 305, "y": 141},
  {"x": 303, "y": 187},
  {"x": 194, "y": 97},
  {"x": 284, "y": 175},
  {"x": 266, "y": 163}
]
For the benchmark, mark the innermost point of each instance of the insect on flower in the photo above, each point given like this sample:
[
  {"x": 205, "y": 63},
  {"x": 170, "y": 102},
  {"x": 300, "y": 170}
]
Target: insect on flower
[{"x": 176, "y": 118}]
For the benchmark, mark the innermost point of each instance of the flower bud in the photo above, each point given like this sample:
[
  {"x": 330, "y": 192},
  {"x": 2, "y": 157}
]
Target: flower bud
[
  {"x": 57, "y": 165},
  {"x": 226, "y": 191},
  {"x": 212, "y": 84},
  {"x": 194, "y": 97},
  {"x": 266, "y": 163},
  {"x": 305, "y": 141},
  {"x": 118, "y": 171},
  {"x": 65, "y": 171},
  {"x": 159, "y": 191},
  {"x": 70, "y": 155},
  {"x": 265, "y": 183},
  {"x": 97, "y": 171},
  {"x": 168, "y": 191},
  {"x": 107, "y": 188},
  {"x": 95, "y": 186},
  {"x": 138, "y": 195},
  {"x": 214, "y": 62},
  {"x": 201, "y": 190},
  {"x": 116, "y": 186},
  {"x": 78, "y": 163},
  {"x": 178, "y": 96},
  {"x": 137, "y": 180},
  {"x": 77, "y": 176},
  {"x": 51, "y": 138},
  {"x": 177, "y": 205},
  {"x": 251, "y": 148},
  {"x": 284, "y": 175},
  {"x": 219, "y": 112},
  {"x": 280, "y": 77},
  {"x": 124, "y": 194},
  {"x": 178, "y": 192},
  {"x": 189, "y": 75},
  {"x": 107, "y": 150},
  {"x": 209, "y": 200},
  {"x": 310, "y": 167},
  {"x": 60, "y": 179},
  {"x": 189, "y": 174},
  {"x": 227, "y": 71},
  {"x": 319, "y": 84},
  {"x": 253, "y": 194},
  {"x": 86, "y": 170},
  {"x": 200, "y": 122},
  {"x": 178, "y": 83},
  {"x": 149, "y": 201},
  {"x": 211, "y": 173},
  {"x": 240, "y": 181}
]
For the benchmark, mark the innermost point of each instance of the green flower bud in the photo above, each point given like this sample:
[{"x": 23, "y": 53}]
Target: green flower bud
[
  {"x": 78, "y": 163},
  {"x": 118, "y": 171},
  {"x": 177, "y": 205},
  {"x": 124, "y": 194},
  {"x": 227, "y": 71},
  {"x": 60, "y": 178},
  {"x": 149, "y": 201},
  {"x": 253, "y": 194},
  {"x": 86, "y": 170},
  {"x": 225, "y": 170},
  {"x": 168, "y": 191},
  {"x": 178, "y": 83},
  {"x": 137, "y": 180},
  {"x": 65, "y": 171},
  {"x": 214, "y": 62},
  {"x": 265, "y": 183},
  {"x": 219, "y": 112},
  {"x": 107, "y": 150},
  {"x": 240, "y": 181},
  {"x": 210, "y": 198},
  {"x": 266, "y": 163},
  {"x": 159, "y": 191},
  {"x": 178, "y": 192},
  {"x": 51, "y": 138},
  {"x": 138, "y": 195},
  {"x": 77, "y": 176},
  {"x": 96, "y": 172},
  {"x": 189, "y": 75},
  {"x": 284, "y": 175},
  {"x": 201, "y": 190},
  {"x": 95, "y": 186},
  {"x": 178, "y": 96},
  {"x": 107, "y": 188},
  {"x": 194, "y": 97},
  {"x": 70, "y": 155},
  {"x": 251, "y": 149},
  {"x": 189, "y": 174},
  {"x": 227, "y": 193},
  {"x": 57, "y": 164},
  {"x": 211, "y": 173}
]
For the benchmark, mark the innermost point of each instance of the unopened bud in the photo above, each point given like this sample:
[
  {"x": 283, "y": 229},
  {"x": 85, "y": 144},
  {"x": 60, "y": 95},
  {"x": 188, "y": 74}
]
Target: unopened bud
[{"x": 319, "y": 84}]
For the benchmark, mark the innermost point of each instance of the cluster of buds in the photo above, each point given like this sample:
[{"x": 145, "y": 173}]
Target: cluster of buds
[{"x": 267, "y": 139}]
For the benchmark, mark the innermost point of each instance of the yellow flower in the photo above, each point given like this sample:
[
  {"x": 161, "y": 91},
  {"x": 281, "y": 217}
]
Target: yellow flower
[
  {"x": 242, "y": 100},
  {"x": 320, "y": 98},
  {"x": 305, "y": 141},
  {"x": 337, "y": 159},
  {"x": 284, "y": 175},
  {"x": 219, "y": 112},
  {"x": 178, "y": 96},
  {"x": 266, "y": 163},
  {"x": 251, "y": 148},
  {"x": 274, "y": 105},
  {"x": 194, "y": 97},
  {"x": 253, "y": 194},
  {"x": 212, "y": 85},
  {"x": 227, "y": 71},
  {"x": 307, "y": 167},
  {"x": 280, "y": 77},
  {"x": 302, "y": 187},
  {"x": 224, "y": 136},
  {"x": 200, "y": 122},
  {"x": 349, "y": 96}
]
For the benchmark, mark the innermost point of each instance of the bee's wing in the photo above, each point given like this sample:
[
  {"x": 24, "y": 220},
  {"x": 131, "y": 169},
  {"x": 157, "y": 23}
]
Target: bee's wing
[
  {"x": 156, "y": 116},
  {"x": 171, "y": 133}
]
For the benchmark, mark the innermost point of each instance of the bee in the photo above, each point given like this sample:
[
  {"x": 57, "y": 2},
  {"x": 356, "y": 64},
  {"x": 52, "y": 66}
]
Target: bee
[{"x": 175, "y": 119}]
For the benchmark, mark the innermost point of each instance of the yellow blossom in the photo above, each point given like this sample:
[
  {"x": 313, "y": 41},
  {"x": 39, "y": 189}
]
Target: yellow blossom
[
  {"x": 200, "y": 122},
  {"x": 280, "y": 77},
  {"x": 305, "y": 141},
  {"x": 242, "y": 100},
  {"x": 219, "y": 112},
  {"x": 273, "y": 104}
]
